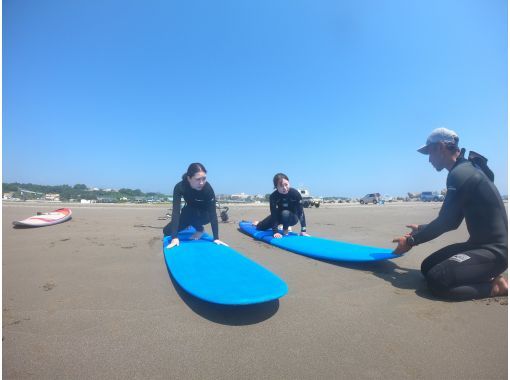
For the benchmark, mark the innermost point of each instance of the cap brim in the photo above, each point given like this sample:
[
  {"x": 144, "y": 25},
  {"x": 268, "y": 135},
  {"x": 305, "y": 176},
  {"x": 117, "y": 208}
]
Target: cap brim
[{"x": 424, "y": 149}]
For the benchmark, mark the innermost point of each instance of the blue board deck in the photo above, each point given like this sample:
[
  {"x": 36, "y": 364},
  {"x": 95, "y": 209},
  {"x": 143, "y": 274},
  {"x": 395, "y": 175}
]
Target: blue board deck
[
  {"x": 219, "y": 274},
  {"x": 318, "y": 247}
]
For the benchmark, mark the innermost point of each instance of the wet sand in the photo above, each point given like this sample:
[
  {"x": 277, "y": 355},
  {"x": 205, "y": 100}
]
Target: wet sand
[{"x": 91, "y": 298}]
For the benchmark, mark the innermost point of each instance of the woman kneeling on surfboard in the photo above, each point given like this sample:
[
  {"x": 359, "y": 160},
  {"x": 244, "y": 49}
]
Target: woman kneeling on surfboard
[
  {"x": 200, "y": 207},
  {"x": 286, "y": 207}
]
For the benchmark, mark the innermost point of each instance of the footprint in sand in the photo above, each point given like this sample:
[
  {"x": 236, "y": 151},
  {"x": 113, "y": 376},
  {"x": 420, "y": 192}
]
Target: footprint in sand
[
  {"x": 95, "y": 242},
  {"x": 48, "y": 286},
  {"x": 53, "y": 243},
  {"x": 154, "y": 241}
]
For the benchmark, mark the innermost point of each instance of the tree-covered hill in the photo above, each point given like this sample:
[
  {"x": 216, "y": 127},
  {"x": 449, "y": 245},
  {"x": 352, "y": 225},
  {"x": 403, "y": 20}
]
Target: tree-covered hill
[{"x": 78, "y": 192}]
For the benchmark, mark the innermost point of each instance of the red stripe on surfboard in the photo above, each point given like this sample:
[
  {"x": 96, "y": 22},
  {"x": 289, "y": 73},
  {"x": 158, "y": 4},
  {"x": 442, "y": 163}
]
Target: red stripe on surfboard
[{"x": 65, "y": 211}]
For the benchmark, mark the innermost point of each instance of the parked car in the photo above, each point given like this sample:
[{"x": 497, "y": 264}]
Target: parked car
[
  {"x": 310, "y": 202},
  {"x": 370, "y": 198},
  {"x": 429, "y": 196}
]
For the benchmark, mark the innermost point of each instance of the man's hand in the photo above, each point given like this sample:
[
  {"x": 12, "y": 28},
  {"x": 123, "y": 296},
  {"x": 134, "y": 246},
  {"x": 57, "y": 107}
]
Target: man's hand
[
  {"x": 173, "y": 243},
  {"x": 414, "y": 228},
  {"x": 402, "y": 246}
]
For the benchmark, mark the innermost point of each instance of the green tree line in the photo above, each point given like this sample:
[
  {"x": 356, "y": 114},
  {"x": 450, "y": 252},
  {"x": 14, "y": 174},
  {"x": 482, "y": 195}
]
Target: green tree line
[{"x": 78, "y": 191}]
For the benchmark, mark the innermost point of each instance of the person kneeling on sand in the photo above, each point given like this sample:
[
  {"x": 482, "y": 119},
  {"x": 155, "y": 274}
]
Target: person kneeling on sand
[
  {"x": 200, "y": 208},
  {"x": 286, "y": 206},
  {"x": 472, "y": 269}
]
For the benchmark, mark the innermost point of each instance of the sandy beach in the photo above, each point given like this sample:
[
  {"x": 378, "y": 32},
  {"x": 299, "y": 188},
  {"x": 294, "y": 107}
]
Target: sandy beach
[{"x": 91, "y": 298}]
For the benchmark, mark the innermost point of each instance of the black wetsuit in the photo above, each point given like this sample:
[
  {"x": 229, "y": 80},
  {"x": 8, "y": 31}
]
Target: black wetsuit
[
  {"x": 464, "y": 271},
  {"x": 285, "y": 209},
  {"x": 200, "y": 209}
]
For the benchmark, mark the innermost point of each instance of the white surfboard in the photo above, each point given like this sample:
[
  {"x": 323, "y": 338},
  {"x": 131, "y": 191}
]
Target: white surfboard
[{"x": 45, "y": 218}]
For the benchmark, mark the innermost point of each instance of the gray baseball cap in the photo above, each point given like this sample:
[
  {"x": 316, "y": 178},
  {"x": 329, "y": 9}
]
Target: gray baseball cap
[{"x": 440, "y": 135}]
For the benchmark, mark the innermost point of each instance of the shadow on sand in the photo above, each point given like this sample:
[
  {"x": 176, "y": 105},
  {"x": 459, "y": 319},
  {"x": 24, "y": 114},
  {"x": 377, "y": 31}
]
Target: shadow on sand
[
  {"x": 227, "y": 314},
  {"x": 390, "y": 271}
]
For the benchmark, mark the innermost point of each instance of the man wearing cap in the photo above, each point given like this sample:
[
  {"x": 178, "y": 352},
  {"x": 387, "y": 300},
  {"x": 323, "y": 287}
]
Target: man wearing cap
[{"x": 471, "y": 269}]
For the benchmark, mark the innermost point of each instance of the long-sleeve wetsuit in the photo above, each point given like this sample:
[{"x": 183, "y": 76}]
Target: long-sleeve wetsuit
[
  {"x": 285, "y": 209},
  {"x": 464, "y": 271},
  {"x": 200, "y": 209}
]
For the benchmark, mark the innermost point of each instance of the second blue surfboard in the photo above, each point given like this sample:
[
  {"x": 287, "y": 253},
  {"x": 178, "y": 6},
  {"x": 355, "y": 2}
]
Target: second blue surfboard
[{"x": 318, "y": 247}]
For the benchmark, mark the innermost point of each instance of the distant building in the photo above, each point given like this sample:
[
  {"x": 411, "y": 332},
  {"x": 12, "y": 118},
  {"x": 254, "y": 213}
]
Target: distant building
[
  {"x": 106, "y": 200},
  {"x": 241, "y": 196},
  {"x": 219, "y": 197},
  {"x": 8, "y": 196},
  {"x": 52, "y": 197}
]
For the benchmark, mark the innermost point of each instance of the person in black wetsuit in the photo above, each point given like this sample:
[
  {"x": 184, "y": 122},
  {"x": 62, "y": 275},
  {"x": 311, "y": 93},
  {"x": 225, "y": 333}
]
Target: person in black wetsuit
[
  {"x": 200, "y": 207},
  {"x": 472, "y": 269},
  {"x": 286, "y": 207}
]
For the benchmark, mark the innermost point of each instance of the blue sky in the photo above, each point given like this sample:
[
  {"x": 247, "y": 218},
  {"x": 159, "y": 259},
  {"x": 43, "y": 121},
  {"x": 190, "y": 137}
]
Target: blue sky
[{"x": 336, "y": 94}]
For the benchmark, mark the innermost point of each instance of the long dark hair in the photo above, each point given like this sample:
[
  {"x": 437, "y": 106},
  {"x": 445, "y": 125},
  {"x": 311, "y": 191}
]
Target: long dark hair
[
  {"x": 193, "y": 169},
  {"x": 277, "y": 178}
]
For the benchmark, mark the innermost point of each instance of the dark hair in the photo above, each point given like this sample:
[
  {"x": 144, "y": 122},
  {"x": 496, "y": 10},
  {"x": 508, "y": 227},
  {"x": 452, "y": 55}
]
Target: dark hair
[
  {"x": 453, "y": 147},
  {"x": 193, "y": 169},
  {"x": 278, "y": 177}
]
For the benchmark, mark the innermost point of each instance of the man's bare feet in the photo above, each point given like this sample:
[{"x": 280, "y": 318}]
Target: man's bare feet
[
  {"x": 499, "y": 287},
  {"x": 255, "y": 222},
  {"x": 197, "y": 235}
]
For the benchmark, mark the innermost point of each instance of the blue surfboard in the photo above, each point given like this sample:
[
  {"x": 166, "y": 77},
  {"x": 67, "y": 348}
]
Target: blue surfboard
[
  {"x": 219, "y": 274},
  {"x": 318, "y": 247}
]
